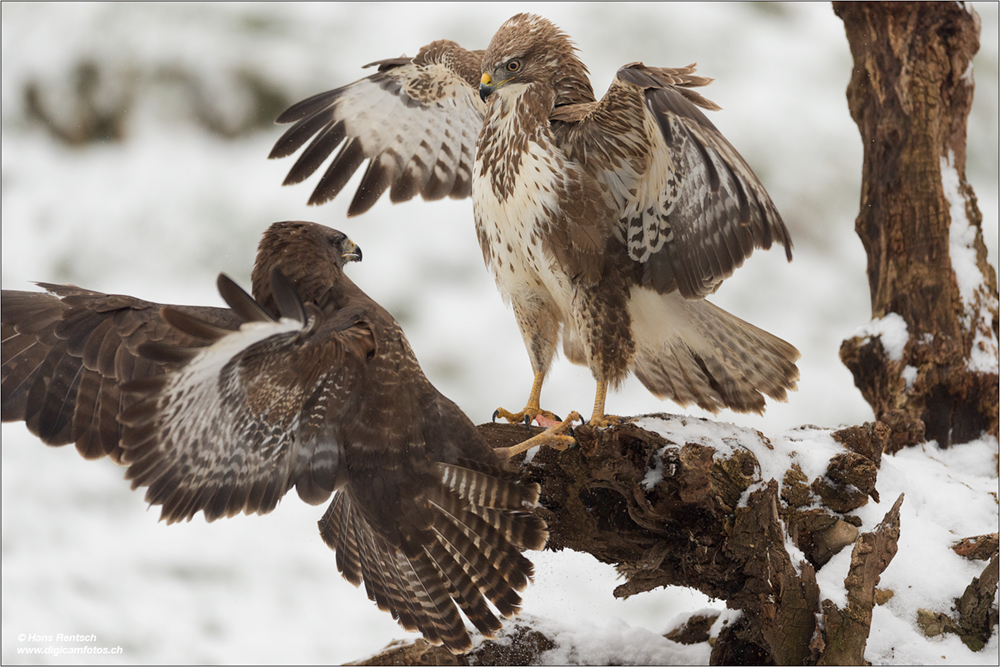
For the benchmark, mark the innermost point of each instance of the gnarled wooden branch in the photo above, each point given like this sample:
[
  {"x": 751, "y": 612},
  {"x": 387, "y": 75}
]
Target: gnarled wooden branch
[
  {"x": 669, "y": 509},
  {"x": 847, "y": 629}
]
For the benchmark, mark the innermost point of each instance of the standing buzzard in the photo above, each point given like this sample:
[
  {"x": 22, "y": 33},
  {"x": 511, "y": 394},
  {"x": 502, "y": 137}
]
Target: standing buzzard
[
  {"x": 606, "y": 222},
  {"x": 310, "y": 384}
]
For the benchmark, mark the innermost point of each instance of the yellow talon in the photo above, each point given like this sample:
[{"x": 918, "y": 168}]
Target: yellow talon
[
  {"x": 598, "y": 419},
  {"x": 553, "y": 437},
  {"x": 531, "y": 410}
]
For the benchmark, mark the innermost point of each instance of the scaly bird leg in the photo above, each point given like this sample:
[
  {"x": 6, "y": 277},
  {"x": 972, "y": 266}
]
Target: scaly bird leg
[
  {"x": 531, "y": 410},
  {"x": 553, "y": 437},
  {"x": 598, "y": 419}
]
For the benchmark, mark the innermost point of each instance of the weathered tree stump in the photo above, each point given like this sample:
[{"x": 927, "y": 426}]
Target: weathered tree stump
[{"x": 928, "y": 362}]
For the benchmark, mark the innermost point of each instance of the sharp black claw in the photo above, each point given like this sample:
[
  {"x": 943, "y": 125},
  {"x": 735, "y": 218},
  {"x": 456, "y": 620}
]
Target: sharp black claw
[
  {"x": 557, "y": 417},
  {"x": 496, "y": 413},
  {"x": 527, "y": 422}
]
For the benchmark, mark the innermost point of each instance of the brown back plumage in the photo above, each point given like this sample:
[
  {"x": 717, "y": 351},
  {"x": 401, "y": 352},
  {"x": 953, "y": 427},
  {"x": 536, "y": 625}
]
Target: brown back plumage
[{"x": 309, "y": 385}]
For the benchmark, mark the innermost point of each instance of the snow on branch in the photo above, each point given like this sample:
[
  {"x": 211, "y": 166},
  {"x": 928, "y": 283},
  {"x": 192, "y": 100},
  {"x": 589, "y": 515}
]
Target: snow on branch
[{"x": 681, "y": 501}]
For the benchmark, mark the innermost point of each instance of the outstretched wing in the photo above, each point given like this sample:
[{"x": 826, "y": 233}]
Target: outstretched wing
[
  {"x": 416, "y": 120},
  {"x": 245, "y": 417},
  {"x": 690, "y": 208},
  {"x": 66, "y": 353}
]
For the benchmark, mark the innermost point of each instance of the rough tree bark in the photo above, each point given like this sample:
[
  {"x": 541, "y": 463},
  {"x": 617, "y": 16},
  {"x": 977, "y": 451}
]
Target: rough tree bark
[
  {"x": 910, "y": 95},
  {"x": 689, "y": 528}
]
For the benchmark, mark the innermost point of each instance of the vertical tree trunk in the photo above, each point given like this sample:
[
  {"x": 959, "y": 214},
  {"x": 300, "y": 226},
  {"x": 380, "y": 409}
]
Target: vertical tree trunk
[{"x": 930, "y": 354}]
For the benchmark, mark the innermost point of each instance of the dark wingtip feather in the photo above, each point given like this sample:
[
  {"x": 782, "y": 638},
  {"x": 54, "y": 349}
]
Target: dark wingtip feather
[
  {"x": 322, "y": 146},
  {"x": 338, "y": 173},
  {"x": 308, "y": 106},
  {"x": 297, "y": 135},
  {"x": 377, "y": 178}
]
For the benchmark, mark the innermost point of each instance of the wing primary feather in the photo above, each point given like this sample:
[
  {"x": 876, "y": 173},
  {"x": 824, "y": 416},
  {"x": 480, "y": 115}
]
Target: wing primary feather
[
  {"x": 377, "y": 178},
  {"x": 714, "y": 181},
  {"x": 297, "y": 135},
  {"x": 438, "y": 187},
  {"x": 339, "y": 172},
  {"x": 410, "y": 182},
  {"x": 143, "y": 385},
  {"x": 308, "y": 106},
  {"x": 288, "y": 300},
  {"x": 192, "y": 325},
  {"x": 18, "y": 380},
  {"x": 318, "y": 150},
  {"x": 242, "y": 303}
]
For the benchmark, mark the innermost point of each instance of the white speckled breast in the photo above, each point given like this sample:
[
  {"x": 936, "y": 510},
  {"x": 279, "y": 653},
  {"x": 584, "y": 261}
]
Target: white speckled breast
[{"x": 509, "y": 228}]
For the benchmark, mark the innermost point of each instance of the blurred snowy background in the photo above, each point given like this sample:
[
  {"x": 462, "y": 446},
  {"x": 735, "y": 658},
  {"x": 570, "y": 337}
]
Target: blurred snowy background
[{"x": 134, "y": 150}]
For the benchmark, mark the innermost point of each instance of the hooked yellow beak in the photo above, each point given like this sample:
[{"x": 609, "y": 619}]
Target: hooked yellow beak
[
  {"x": 486, "y": 86},
  {"x": 350, "y": 251}
]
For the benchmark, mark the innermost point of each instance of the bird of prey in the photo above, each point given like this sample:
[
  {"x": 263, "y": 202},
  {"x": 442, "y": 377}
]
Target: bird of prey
[
  {"x": 605, "y": 223},
  {"x": 309, "y": 383}
]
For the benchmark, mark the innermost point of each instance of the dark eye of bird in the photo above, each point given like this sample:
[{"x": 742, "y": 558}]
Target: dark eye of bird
[{"x": 513, "y": 66}]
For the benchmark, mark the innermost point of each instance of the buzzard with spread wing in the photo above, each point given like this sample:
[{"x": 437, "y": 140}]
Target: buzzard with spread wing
[
  {"x": 604, "y": 222},
  {"x": 310, "y": 384}
]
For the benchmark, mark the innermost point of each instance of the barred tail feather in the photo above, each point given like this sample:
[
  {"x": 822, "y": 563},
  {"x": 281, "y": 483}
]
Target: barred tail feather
[
  {"x": 487, "y": 579},
  {"x": 467, "y": 560},
  {"x": 473, "y": 536},
  {"x": 337, "y": 530},
  {"x": 444, "y": 618},
  {"x": 373, "y": 567},
  {"x": 406, "y": 610},
  {"x": 522, "y": 529},
  {"x": 691, "y": 351},
  {"x": 484, "y": 486},
  {"x": 464, "y": 589}
]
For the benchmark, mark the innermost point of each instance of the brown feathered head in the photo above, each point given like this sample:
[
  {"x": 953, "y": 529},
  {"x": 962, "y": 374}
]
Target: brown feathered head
[
  {"x": 311, "y": 256},
  {"x": 529, "y": 49}
]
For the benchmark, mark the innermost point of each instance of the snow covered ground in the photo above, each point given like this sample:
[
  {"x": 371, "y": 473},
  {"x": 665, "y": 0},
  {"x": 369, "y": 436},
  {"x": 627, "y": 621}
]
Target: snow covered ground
[{"x": 158, "y": 214}]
